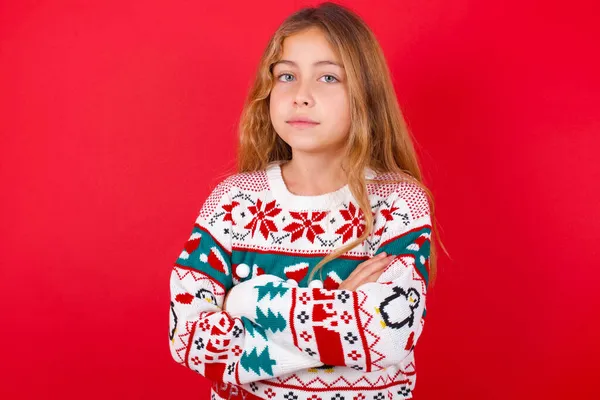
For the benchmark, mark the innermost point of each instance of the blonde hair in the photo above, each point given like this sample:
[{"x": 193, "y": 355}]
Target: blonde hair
[{"x": 378, "y": 137}]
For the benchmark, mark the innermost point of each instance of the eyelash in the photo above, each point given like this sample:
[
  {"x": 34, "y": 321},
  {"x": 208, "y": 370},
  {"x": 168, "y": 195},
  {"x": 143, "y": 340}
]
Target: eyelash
[{"x": 280, "y": 75}]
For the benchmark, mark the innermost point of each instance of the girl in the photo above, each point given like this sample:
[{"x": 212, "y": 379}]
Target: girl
[{"x": 306, "y": 272}]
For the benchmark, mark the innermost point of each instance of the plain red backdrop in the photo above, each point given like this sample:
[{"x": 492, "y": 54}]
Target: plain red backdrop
[{"x": 117, "y": 118}]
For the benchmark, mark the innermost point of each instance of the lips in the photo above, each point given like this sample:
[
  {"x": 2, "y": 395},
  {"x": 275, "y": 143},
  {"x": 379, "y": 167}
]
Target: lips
[
  {"x": 302, "y": 124},
  {"x": 304, "y": 120}
]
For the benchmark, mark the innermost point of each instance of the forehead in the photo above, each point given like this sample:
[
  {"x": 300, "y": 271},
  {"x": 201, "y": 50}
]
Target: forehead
[{"x": 308, "y": 47}]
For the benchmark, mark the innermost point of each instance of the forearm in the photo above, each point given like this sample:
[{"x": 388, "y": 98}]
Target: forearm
[
  {"x": 370, "y": 328},
  {"x": 210, "y": 341}
]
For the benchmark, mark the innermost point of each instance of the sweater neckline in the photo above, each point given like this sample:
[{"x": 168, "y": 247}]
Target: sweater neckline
[{"x": 323, "y": 201}]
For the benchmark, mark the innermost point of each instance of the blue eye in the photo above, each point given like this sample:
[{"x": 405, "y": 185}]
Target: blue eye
[
  {"x": 280, "y": 75},
  {"x": 332, "y": 77},
  {"x": 284, "y": 74}
]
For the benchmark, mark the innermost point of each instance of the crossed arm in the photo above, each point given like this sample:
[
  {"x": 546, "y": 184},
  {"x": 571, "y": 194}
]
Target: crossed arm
[
  {"x": 271, "y": 328},
  {"x": 368, "y": 329}
]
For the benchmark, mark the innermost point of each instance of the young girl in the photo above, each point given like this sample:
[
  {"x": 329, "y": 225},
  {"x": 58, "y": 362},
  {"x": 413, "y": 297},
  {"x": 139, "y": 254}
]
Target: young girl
[{"x": 306, "y": 272}]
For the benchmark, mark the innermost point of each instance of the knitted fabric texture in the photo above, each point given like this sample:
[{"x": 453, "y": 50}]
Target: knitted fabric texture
[{"x": 282, "y": 337}]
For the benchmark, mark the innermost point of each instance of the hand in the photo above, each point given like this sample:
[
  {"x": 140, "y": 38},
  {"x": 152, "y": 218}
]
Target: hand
[{"x": 368, "y": 271}]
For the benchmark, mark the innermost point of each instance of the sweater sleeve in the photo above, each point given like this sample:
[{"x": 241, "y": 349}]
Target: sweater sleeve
[
  {"x": 202, "y": 336},
  {"x": 376, "y": 326}
]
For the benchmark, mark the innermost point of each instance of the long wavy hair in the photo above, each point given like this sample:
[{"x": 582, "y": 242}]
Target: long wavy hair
[{"x": 378, "y": 137}]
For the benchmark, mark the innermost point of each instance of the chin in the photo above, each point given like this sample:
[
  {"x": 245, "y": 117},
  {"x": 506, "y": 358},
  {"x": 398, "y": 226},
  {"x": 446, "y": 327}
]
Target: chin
[{"x": 311, "y": 145}]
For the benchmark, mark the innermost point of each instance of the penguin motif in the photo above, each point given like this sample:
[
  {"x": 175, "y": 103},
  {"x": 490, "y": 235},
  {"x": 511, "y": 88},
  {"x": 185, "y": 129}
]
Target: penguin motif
[
  {"x": 326, "y": 368},
  {"x": 204, "y": 294},
  {"x": 173, "y": 322},
  {"x": 398, "y": 309}
]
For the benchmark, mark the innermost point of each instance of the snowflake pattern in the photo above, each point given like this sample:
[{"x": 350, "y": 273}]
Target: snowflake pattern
[
  {"x": 305, "y": 224},
  {"x": 228, "y": 210},
  {"x": 354, "y": 218},
  {"x": 263, "y": 218}
]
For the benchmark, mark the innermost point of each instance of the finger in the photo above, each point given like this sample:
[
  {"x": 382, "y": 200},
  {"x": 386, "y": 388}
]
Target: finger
[
  {"x": 372, "y": 260},
  {"x": 371, "y": 278},
  {"x": 388, "y": 260},
  {"x": 355, "y": 283},
  {"x": 376, "y": 266},
  {"x": 376, "y": 273},
  {"x": 381, "y": 264},
  {"x": 366, "y": 263},
  {"x": 365, "y": 268}
]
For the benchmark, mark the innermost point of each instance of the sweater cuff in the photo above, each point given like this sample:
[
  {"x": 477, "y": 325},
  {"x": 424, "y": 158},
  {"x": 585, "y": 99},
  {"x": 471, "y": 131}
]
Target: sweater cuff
[{"x": 242, "y": 301}]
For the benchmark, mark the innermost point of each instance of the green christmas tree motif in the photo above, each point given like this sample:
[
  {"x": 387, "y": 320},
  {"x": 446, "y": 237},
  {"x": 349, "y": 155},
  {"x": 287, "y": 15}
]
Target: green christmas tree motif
[
  {"x": 253, "y": 328},
  {"x": 271, "y": 290},
  {"x": 255, "y": 362},
  {"x": 272, "y": 321}
]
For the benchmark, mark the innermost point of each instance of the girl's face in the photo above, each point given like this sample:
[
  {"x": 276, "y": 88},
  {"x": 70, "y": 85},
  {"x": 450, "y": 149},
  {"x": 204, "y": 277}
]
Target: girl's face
[{"x": 310, "y": 82}]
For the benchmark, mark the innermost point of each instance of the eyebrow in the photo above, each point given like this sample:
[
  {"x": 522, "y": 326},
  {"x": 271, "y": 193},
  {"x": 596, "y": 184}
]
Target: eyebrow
[{"x": 323, "y": 62}]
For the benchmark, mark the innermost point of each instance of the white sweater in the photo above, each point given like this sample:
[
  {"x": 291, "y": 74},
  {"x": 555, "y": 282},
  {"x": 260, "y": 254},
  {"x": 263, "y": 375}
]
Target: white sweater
[{"x": 282, "y": 337}]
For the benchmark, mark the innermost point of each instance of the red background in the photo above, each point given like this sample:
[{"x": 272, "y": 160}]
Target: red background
[{"x": 116, "y": 118}]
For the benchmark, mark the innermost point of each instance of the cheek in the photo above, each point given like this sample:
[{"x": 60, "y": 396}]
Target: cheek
[
  {"x": 279, "y": 92},
  {"x": 277, "y": 110},
  {"x": 332, "y": 97},
  {"x": 339, "y": 120},
  {"x": 277, "y": 101},
  {"x": 338, "y": 107}
]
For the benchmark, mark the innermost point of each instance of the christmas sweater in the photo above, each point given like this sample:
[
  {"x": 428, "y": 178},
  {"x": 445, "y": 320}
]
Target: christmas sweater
[{"x": 282, "y": 337}]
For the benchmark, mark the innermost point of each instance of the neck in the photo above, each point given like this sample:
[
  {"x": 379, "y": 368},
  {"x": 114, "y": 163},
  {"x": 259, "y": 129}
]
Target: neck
[{"x": 313, "y": 175}]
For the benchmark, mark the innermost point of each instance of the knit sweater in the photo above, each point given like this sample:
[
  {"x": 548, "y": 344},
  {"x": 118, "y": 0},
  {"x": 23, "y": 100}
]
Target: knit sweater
[{"x": 282, "y": 337}]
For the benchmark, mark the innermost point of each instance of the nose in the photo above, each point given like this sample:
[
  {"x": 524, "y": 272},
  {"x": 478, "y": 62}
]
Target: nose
[{"x": 303, "y": 96}]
